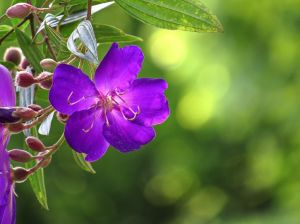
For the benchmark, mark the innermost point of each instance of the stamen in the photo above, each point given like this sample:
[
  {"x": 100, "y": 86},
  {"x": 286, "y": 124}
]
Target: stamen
[
  {"x": 106, "y": 119},
  {"x": 135, "y": 113},
  {"x": 77, "y": 101},
  {"x": 90, "y": 128}
]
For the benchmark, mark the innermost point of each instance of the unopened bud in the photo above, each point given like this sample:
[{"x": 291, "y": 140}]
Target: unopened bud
[
  {"x": 19, "y": 10},
  {"x": 24, "y": 64},
  {"x": 24, "y": 79},
  {"x": 45, "y": 162},
  {"x": 45, "y": 80},
  {"x": 48, "y": 64},
  {"x": 20, "y": 174},
  {"x": 35, "y": 107},
  {"x": 7, "y": 117},
  {"x": 62, "y": 117},
  {"x": 24, "y": 113},
  {"x": 35, "y": 144},
  {"x": 19, "y": 155},
  {"x": 16, "y": 128},
  {"x": 13, "y": 55}
]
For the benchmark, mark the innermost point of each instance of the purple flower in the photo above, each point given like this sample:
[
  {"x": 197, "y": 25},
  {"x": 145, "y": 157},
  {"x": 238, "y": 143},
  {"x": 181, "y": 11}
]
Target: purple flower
[
  {"x": 116, "y": 109},
  {"x": 7, "y": 198}
]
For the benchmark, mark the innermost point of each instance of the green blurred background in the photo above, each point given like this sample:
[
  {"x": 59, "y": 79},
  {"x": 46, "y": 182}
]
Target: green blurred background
[{"x": 230, "y": 151}]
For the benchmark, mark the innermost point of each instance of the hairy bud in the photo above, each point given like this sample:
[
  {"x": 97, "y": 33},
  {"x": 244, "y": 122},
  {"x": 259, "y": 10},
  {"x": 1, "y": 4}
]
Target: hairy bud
[
  {"x": 45, "y": 162},
  {"x": 24, "y": 113},
  {"x": 24, "y": 64},
  {"x": 24, "y": 79},
  {"x": 13, "y": 54},
  {"x": 35, "y": 107},
  {"x": 19, "y": 155},
  {"x": 48, "y": 64},
  {"x": 16, "y": 128},
  {"x": 62, "y": 117},
  {"x": 19, "y": 10},
  {"x": 20, "y": 174},
  {"x": 45, "y": 80},
  {"x": 35, "y": 144}
]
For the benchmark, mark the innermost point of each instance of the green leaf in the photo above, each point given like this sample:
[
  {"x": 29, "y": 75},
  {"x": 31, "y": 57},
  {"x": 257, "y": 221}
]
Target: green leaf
[
  {"x": 37, "y": 180},
  {"x": 59, "y": 43},
  {"x": 108, "y": 34},
  {"x": 4, "y": 29},
  {"x": 86, "y": 166},
  {"x": 8, "y": 65},
  {"x": 30, "y": 50},
  {"x": 187, "y": 15}
]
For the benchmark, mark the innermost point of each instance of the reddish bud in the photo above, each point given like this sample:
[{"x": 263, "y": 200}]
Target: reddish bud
[
  {"x": 16, "y": 128},
  {"x": 24, "y": 63},
  {"x": 20, "y": 174},
  {"x": 13, "y": 54},
  {"x": 35, "y": 107},
  {"x": 48, "y": 64},
  {"x": 45, "y": 80},
  {"x": 24, "y": 113},
  {"x": 19, "y": 10},
  {"x": 45, "y": 162},
  {"x": 46, "y": 84},
  {"x": 35, "y": 144},
  {"x": 19, "y": 155},
  {"x": 24, "y": 79},
  {"x": 62, "y": 117}
]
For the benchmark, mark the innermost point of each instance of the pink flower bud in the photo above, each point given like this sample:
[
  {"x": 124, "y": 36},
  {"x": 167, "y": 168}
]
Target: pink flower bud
[
  {"x": 35, "y": 107},
  {"x": 48, "y": 64},
  {"x": 24, "y": 63},
  {"x": 13, "y": 54},
  {"x": 62, "y": 117},
  {"x": 16, "y": 128},
  {"x": 24, "y": 79},
  {"x": 19, "y": 155},
  {"x": 45, "y": 162},
  {"x": 19, "y": 10},
  {"x": 45, "y": 80},
  {"x": 35, "y": 144},
  {"x": 24, "y": 113},
  {"x": 20, "y": 174}
]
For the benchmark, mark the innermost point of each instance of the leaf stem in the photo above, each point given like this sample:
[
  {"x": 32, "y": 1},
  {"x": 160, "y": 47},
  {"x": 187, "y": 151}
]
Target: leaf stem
[{"x": 89, "y": 10}]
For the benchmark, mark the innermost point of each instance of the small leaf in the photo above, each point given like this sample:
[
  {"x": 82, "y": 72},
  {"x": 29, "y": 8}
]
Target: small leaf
[
  {"x": 37, "y": 180},
  {"x": 187, "y": 15},
  {"x": 4, "y": 29},
  {"x": 108, "y": 34},
  {"x": 8, "y": 65},
  {"x": 79, "y": 159},
  {"x": 30, "y": 50},
  {"x": 85, "y": 34}
]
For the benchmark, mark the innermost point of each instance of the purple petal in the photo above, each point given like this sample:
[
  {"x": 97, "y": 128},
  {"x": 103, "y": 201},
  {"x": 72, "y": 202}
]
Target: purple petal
[
  {"x": 7, "y": 93},
  {"x": 72, "y": 90},
  {"x": 9, "y": 212},
  {"x": 119, "y": 68},
  {"x": 148, "y": 95},
  {"x": 83, "y": 133},
  {"x": 125, "y": 135}
]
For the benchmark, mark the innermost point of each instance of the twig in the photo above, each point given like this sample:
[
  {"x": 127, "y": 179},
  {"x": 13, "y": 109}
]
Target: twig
[
  {"x": 89, "y": 11},
  {"x": 13, "y": 29}
]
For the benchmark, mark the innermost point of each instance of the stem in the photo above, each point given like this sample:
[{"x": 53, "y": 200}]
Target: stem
[
  {"x": 89, "y": 11},
  {"x": 13, "y": 29},
  {"x": 32, "y": 26},
  {"x": 39, "y": 119},
  {"x": 45, "y": 3}
]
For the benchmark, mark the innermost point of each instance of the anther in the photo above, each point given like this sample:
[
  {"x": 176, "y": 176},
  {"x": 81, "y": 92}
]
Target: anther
[{"x": 75, "y": 102}]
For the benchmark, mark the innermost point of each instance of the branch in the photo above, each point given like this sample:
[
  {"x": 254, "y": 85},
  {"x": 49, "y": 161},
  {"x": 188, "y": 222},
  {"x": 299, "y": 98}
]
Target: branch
[{"x": 89, "y": 10}]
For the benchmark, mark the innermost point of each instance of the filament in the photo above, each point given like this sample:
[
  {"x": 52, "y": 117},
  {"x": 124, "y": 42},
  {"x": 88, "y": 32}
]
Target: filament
[{"x": 75, "y": 102}]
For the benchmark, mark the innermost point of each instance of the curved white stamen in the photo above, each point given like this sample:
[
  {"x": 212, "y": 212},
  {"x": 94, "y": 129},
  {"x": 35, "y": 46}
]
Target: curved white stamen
[
  {"x": 75, "y": 102},
  {"x": 135, "y": 113}
]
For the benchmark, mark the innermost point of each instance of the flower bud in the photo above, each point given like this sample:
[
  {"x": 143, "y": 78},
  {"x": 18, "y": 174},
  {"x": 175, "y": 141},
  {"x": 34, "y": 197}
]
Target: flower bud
[
  {"x": 24, "y": 113},
  {"x": 19, "y": 10},
  {"x": 19, "y": 155},
  {"x": 35, "y": 144},
  {"x": 24, "y": 79},
  {"x": 62, "y": 117},
  {"x": 20, "y": 174},
  {"x": 45, "y": 162},
  {"x": 13, "y": 55},
  {"x": 35, "y": 107},
  {"x": 45, "y": 80},
  {"x": 24, "y": 64},
  {"x": 16, "y": 128},
  {"x": 7, "y": 117},
  {"x": 48, "y": 64}
]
